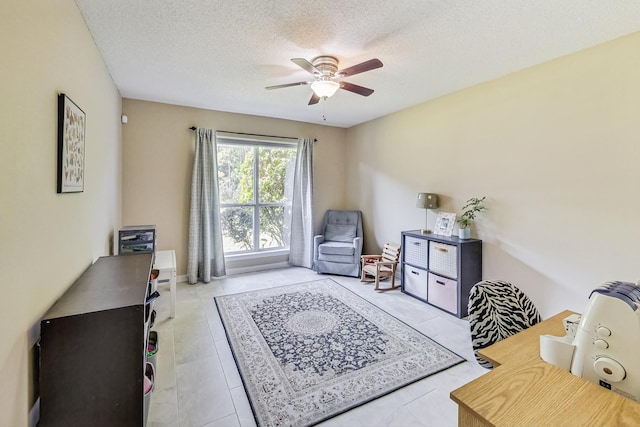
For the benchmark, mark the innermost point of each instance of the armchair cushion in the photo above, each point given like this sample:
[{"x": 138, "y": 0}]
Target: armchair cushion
[
  {"x": 337, "y": 248},
  {"x": 340, "y": 232}
]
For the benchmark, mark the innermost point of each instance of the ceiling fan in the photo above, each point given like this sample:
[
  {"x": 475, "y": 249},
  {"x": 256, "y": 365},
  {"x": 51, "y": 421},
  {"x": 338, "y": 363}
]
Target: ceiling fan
[{"x": 328, "y": 79}]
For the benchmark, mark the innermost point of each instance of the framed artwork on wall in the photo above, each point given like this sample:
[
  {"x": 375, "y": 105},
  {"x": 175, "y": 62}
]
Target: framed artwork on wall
[
  {"x": 444, "y": 224},
  {"x": 71, "y": 140}
]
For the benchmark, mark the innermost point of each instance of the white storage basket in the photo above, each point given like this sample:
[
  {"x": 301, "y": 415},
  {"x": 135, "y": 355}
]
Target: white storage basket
[
  {"x": 443, "y": 259},
  {"x": 443, "y": 293},
  {"x": 416, "y": 251},
  {"x": 415, "y": 282}
]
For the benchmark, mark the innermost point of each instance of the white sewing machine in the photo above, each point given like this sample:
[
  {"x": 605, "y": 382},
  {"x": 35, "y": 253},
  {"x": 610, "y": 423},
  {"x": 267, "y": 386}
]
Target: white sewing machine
[{"x": 606, "y": 347}]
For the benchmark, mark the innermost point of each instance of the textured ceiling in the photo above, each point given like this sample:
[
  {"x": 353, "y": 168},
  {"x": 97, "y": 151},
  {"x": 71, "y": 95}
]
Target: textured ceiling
[{"x": 220, "y": 54}]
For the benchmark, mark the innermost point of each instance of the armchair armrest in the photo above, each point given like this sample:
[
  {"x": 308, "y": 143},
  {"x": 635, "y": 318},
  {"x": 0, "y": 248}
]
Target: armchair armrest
[
  {"x": 369, "y": 259},
  {"x": 357, "y": 243},
  {"x": 387, "y": 263},
  {"x": 316, "y": 242}
]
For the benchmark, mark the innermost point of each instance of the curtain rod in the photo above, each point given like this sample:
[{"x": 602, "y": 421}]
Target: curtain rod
[{"x": 255, "y": 134}]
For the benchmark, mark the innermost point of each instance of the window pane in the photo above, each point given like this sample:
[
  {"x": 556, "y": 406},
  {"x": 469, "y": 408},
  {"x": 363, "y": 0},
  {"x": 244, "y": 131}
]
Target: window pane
[
  {"x": 256, "y": 188},
  {"x": 274, "y": 230},
  {"x": 237, "y": 228},
  {"x": 275, "y": 170},
  {"x": 235, "y": 173}
]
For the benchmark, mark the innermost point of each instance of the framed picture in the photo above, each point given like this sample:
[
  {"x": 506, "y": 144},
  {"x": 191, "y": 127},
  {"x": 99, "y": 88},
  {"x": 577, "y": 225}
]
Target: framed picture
[
  {"x": 71, "y": 134},
  {"x": 444, "y": 224}
]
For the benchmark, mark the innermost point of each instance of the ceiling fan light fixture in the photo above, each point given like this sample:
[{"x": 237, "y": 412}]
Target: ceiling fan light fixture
[{"x": 325, "y": 88}]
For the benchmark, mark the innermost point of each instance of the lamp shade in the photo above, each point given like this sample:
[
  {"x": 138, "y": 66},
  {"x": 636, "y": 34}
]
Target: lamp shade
[
  {"x": 427, "y": 201},
  {"x": 325, "y": 88}
]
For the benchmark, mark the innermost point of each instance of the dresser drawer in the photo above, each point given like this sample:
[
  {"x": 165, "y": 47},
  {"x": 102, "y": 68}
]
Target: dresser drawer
[
  {"x": 416, "y": 252},
  {"x": 415, "y": 281},
  {"x": 443, "y": 293}
]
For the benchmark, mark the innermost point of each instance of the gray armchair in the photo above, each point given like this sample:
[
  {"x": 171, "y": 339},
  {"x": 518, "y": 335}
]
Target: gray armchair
[{"x": 337, "y": 250}]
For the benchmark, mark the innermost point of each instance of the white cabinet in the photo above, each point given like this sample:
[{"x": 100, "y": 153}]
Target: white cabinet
[{"x": 440, "y": 270}]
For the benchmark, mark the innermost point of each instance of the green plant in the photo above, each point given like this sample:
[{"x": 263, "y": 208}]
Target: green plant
[
  {"x": 237, "y": 223},
  {"x": 470, "y": 210}
]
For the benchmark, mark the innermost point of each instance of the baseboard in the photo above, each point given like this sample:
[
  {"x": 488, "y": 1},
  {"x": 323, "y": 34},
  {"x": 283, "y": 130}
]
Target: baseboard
[
  {"x": 34, "y": 414},
  {"x": 254, "y": 268},
  {"x": 34, "y": 374},
  {"x": 231, "y": 271}
]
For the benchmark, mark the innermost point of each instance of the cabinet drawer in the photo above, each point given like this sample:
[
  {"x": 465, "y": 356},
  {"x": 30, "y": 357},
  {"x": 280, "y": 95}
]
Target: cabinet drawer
[
  {"x": 415, "y": 281},
  {"x": 443, "y": 259},
  {"x": 416, "y": 251},
  {"x": 443, "y": 293}
]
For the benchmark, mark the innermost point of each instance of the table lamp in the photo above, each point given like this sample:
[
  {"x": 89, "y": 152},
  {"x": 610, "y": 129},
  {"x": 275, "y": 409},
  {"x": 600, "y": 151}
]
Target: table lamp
[{"x": 427, "y": 201}]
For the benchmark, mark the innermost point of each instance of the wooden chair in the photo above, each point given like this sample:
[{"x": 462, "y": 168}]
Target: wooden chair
[{"x": 380, "y": 267}]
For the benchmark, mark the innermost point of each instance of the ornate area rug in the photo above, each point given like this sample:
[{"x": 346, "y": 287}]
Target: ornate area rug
[{"x": 310, "y": 351}]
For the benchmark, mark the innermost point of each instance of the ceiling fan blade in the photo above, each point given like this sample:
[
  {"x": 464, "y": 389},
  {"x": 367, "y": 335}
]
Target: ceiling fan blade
[
  {"x": 287, "y": 85},
  {"x": 360, "y": 90},
  {"x": 305, "y": 65},
  {"x": 371, "y": 64},
  {"x": 314, "y": 99}
]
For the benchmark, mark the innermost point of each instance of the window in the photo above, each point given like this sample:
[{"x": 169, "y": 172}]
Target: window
[{"x": 256, "y": 187}]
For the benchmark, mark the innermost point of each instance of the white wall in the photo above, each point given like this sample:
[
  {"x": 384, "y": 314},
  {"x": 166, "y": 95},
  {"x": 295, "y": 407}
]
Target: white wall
[
  {"x": 554, "y": 148},
  {"x": 47, "y": 239}
]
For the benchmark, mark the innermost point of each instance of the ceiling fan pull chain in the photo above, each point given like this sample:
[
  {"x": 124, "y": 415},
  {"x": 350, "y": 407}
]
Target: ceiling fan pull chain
[{"x": 324, "y": 101}]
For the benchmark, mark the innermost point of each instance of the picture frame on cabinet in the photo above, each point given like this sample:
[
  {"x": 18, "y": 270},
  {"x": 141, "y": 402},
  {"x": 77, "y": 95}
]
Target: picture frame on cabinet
[
  {"x": 71, "y": 146},
  {"x": 444, "y": 224}
]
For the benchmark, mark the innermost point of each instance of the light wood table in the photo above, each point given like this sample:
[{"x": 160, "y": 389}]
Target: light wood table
[
  {"x": 165, "y": 263},
  {"x": 523, "y": 390}
]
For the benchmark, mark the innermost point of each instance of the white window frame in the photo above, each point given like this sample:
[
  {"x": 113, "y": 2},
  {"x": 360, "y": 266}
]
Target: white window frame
[{"x": 256, "y": 143}]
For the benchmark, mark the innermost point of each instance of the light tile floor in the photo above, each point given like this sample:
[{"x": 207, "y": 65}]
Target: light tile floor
[{"x": 198, "y": 385}]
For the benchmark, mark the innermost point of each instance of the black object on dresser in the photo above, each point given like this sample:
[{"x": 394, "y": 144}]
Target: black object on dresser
[
  {"x": 93, "y": 347},
  {"x": 440, "y": 270},
  {"x": 134, "y": 239}
]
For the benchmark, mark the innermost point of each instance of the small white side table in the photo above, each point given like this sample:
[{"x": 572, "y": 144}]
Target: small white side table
[{"x": 165, "y": 263}]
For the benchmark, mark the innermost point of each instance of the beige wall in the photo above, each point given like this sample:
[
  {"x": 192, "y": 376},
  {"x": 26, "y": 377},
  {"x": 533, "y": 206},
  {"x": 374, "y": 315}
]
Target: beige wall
[
  {"x": 158, "y": 160},
  {"x": 554, "y": 148},
  {"x": 47, "y": 239}
]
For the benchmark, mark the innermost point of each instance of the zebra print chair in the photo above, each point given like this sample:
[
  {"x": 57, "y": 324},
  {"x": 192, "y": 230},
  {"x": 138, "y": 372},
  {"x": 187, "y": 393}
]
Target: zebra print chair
[{"x": 497, "y": 310}]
